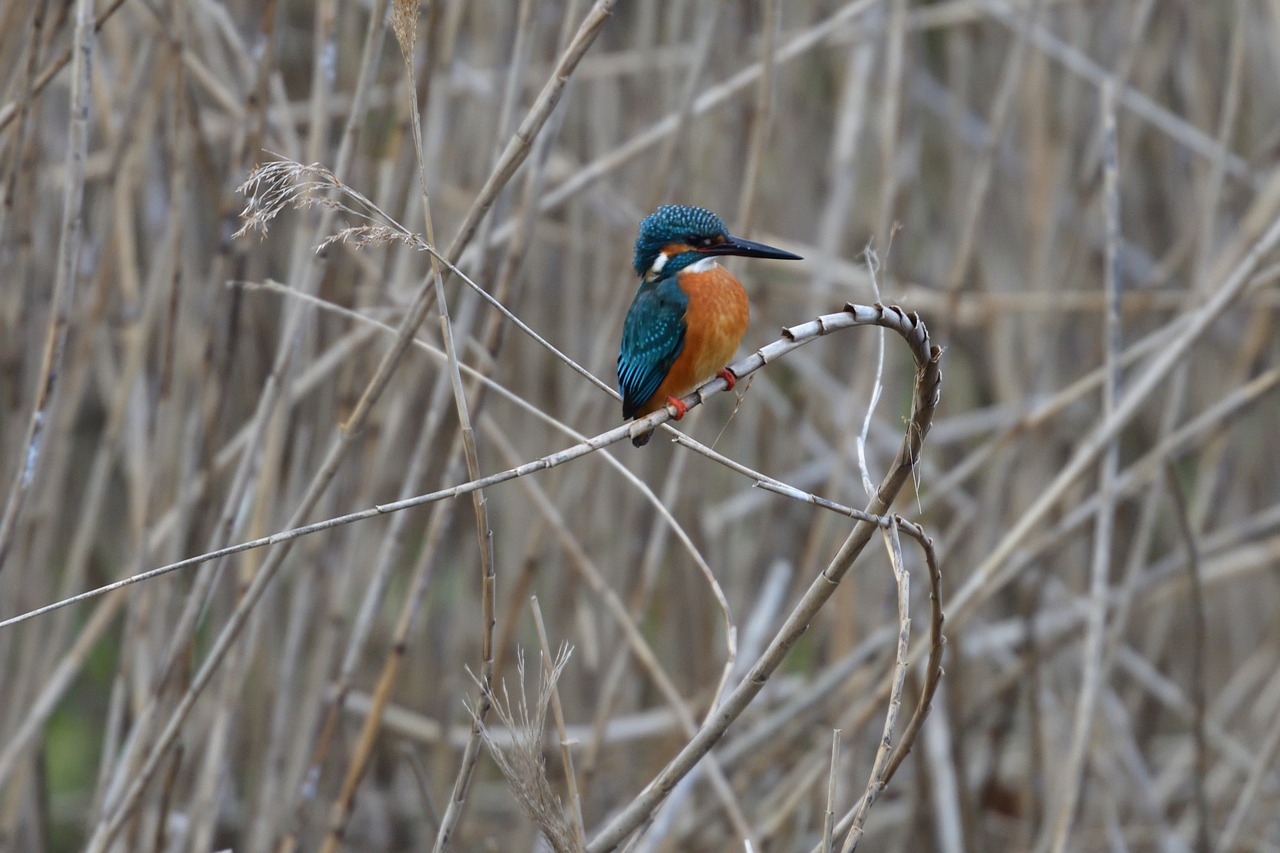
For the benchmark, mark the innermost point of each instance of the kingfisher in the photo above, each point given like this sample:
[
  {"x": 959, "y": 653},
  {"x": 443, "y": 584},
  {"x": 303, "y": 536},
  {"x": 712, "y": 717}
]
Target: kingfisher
[{"x": 689, "y": 314}]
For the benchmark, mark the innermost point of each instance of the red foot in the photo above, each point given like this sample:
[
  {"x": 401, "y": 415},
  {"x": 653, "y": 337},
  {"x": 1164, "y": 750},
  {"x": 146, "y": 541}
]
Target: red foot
[
  {"x": 730, "y": 378},
  {"x": 679, "y": 406}
]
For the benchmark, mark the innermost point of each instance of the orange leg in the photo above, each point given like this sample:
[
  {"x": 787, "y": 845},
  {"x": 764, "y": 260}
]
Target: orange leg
[
  {"x": 679, "y": 406},
  {"x": 730, "y": 378}
]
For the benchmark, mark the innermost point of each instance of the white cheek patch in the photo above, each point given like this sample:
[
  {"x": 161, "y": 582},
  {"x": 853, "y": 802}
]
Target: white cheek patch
[
  {"x": 702, "y": 265},
  {"x": 658, "y": 263}
]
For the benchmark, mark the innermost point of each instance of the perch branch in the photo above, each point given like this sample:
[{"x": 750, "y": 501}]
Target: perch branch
[
  {"x": 792, "y": 338},
  {"x": 927, "y": 390}
]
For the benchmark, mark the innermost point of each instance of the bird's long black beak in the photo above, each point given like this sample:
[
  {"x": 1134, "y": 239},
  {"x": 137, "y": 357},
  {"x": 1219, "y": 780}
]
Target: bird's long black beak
[{"x": 750, "y": 249}]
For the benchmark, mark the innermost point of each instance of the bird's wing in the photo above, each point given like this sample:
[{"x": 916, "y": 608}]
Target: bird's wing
[{"x": 651, "y": 340}]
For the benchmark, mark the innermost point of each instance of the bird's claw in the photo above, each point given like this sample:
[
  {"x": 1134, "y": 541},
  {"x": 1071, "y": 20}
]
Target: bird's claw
[
  {"x": 681, "y": 409},
  {"x": 730, "y": 378}
]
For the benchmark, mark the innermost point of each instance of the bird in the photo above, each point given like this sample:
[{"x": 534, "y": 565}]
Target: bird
[{"x": 689, "y": 313}]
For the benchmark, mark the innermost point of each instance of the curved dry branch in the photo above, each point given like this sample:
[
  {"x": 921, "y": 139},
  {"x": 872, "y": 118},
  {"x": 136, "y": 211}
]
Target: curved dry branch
[
  {"x": 928, "y": 377},
  {"x": 932, "y": 673},
  {"x": 928, "y": 383},
  {"x": 933, "y": 669},
  {"x": 876, "y": 783}
]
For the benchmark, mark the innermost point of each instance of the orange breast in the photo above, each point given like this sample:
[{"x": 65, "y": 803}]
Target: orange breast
[{"x": 716, "y": 320}]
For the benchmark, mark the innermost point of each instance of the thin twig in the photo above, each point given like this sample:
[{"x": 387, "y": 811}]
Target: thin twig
[
  {"x": 793, "y": 337},
  {"x": 876, "y": 781},
  {"x": 877, "y": 381},
  {"x": 937, "y": 643}
]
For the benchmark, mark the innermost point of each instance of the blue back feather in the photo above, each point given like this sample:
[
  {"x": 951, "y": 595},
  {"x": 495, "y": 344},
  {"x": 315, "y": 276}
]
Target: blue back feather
[{"x": 652, "y": 339}]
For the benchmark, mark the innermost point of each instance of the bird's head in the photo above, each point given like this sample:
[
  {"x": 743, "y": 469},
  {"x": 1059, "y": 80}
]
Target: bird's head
[{"x": 675, "y": 236}]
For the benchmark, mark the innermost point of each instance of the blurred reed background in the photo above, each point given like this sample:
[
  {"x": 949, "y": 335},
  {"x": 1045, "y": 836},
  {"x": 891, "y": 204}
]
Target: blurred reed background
[{"x": 1101, "y": 492}]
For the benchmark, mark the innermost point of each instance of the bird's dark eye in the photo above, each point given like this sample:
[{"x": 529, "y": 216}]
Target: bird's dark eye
[{"x": 698, "y": 241}]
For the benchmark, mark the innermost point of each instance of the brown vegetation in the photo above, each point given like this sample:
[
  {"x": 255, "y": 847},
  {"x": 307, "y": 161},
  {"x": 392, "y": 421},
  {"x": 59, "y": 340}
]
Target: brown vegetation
[{"x": 308, "y": 318}]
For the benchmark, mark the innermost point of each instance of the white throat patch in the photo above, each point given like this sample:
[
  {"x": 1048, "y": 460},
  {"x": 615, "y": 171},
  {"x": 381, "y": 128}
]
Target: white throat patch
[{"x": 702, "y": 265}]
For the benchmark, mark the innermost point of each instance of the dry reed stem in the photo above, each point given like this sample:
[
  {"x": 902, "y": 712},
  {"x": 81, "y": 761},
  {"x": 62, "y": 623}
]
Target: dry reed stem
[
  {"x": 713, "y": 96},
  {"x": 937, "y": 642},
  {"x": 1072, "y": 779},
  {"x": 405, "y": 26},
  {"x": 697, "y": 59},
  {"x": 64, "y": 288},
  {"x": 880, "y": 763},
  {"x": 829, "y": 816}
]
